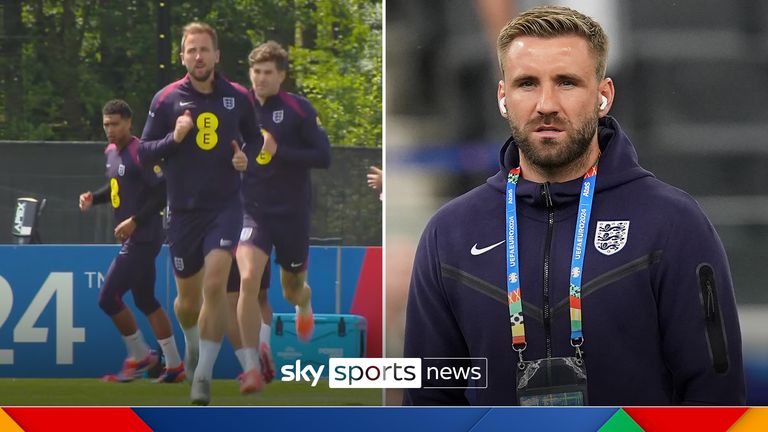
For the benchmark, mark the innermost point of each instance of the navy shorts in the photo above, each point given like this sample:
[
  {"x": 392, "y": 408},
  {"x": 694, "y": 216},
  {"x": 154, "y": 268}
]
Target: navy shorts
[
  {"x": 193, "y": 234},
  {"x": 133, "y": 269},
  {"x": 233, "y": 283},
  {"x": 289, "y": 234}
]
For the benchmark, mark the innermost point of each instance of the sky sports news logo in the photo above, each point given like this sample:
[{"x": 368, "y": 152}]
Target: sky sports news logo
[{"x": 455, "y": 373}]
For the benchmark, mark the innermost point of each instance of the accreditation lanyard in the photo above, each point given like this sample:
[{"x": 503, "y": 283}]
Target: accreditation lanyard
[{"x": 577, "y": 259}]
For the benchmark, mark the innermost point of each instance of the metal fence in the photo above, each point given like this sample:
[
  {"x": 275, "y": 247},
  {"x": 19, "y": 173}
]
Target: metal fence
[{"x": 343, "y": 206}]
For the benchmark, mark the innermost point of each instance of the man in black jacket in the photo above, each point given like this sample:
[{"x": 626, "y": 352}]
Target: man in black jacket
[{"x": 581, "y": 277}]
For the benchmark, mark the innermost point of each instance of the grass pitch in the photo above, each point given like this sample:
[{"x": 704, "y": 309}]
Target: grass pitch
[{"x": 92, "y": 391}]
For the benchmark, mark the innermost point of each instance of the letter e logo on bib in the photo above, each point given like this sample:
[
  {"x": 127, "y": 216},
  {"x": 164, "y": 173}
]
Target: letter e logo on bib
[{"x": 207, "y": 138}]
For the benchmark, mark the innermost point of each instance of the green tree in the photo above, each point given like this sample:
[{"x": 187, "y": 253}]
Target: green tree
[
  {"x": 340, "y": 70},
  {"x": 60, "y": 60}
]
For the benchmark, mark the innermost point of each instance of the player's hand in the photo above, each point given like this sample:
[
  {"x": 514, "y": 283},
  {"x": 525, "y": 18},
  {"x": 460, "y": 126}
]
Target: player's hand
[
  {"x": 86, "y": 201},
  {"x": 125, "y": 229},
  {"x": 239, "y": 159},
  {"x": 270, "y": 145},
  {"x": 183, "y": 125},
  {"x": 375, "y": 178}
]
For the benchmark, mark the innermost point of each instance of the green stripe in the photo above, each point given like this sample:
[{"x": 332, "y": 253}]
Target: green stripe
[{"x": 620, "y": 422}]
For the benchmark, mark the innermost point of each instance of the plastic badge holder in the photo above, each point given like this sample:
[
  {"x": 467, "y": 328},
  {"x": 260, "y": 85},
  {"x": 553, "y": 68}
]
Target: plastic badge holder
[{"x": 559, "y": 381}]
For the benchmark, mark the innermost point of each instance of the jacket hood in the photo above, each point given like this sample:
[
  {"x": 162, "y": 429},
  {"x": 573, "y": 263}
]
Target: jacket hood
[{"x": 618, "y": 165}]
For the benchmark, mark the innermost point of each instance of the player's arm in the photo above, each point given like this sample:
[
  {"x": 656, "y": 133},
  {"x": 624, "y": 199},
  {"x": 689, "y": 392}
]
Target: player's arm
[
  {"x": 698, "y": 322},
  {"x": 430, "y": 326},
  {"x": 87, "y": 199},
  {"x": 156, "y": 193},
  {"x": 101, "y": 195},
  {"x": 249, "y": 126},
  {"x": 155, "y": 202},
  {"x": 316, "y": 152},
  {"x": 157, "y": 142}
]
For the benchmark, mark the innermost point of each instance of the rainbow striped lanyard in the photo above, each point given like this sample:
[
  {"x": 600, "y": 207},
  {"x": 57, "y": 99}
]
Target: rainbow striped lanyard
[{"x": 577, "y": 261}]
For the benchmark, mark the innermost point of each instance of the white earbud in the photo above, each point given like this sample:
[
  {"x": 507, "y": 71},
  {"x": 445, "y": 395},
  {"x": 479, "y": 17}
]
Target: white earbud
[
  {"x": 502, "y": 106},
  {"x": 603, "y": 102}
]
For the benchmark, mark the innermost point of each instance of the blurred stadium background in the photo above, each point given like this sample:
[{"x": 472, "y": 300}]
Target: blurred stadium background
[
  {"x": 691, "y": 93},
  {"x": 59, "y": 63}
]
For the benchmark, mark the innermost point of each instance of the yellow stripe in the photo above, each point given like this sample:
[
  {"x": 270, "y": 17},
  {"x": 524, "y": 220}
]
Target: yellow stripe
[
  {"x": 7, "y": 424},
  {"x": 518, "y": 330},
  {"x": 575, "y": 314},
  {"x": 755, "y": 419}
]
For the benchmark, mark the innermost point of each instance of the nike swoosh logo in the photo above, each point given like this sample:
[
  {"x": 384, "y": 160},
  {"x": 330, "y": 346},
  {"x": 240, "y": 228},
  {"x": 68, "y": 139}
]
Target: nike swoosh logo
[
  {"x": 475, "y": 251},
  {"x": 185, "y": 103},
  {"x": 295, "y": 265}
]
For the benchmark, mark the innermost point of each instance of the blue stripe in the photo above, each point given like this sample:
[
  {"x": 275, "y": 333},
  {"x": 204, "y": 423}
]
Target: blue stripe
[
  {"x": 580, "y": 237},
  {"x": 377, "y": 419}
]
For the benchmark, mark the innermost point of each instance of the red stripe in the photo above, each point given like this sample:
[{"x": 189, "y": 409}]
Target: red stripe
[
  {"x": 685, "y": 418},
  {"x": 239, "y": 88},
  {"x": 291, "y": 101},
  {"x": 169, "y": 88},
  {"x": 575, "y": 302},
  {"x": 80, "y": 419},
  {"x": 367, "y": 300}
]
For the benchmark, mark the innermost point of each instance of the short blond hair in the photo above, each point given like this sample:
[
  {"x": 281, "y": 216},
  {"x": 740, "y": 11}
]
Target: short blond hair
[
  {"x": 196, "y": 28},
  {"x": 553, "y": 21}
]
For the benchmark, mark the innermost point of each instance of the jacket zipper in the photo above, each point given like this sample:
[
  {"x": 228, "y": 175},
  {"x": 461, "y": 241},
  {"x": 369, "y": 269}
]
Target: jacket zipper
[
  {"x": 718, "y": 348},
  {"x": 547, "y": 198},
  {"x": 492, "y": 291},
  {"x": 610, "y": 277}
]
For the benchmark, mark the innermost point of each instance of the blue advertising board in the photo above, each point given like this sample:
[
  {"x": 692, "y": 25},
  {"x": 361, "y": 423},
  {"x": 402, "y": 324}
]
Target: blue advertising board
[{"x": 51, "y": 324}]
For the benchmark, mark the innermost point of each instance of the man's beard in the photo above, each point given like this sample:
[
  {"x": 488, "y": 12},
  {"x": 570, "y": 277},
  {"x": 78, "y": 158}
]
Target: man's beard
[
  {"x": 203, "y": 77},
  {"x": 566, "y": 152}
]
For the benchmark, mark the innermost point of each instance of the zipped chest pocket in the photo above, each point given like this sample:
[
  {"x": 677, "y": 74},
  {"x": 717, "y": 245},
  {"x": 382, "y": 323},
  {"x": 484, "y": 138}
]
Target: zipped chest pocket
[{"x": 718, "y": 346}]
